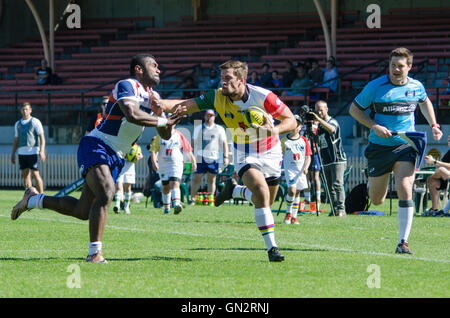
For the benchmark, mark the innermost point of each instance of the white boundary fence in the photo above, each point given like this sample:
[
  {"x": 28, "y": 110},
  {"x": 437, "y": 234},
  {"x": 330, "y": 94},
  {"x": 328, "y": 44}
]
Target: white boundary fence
[
  {"x": 61, "y": 169},
  {"x": 58, "y": 171}
]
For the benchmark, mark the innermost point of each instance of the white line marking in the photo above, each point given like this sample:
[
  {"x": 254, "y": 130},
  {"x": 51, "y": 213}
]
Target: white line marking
[{"x": 317, "y": 246}]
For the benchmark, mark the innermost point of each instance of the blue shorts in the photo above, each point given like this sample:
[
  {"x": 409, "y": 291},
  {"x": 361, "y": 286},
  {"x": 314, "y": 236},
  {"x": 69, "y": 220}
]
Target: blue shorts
[
  {"x": 203, "y": 167},
  {"x": 29, "y": 162},
  {"x": 93, "y": 151},
  {"x": 381, "y": 159},
  {"x": 314, "y": 162}
]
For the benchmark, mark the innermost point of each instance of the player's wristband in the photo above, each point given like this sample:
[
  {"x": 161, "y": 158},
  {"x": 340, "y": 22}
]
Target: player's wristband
[
  {"x": 436, "y": 125},
  {"x": 162, "y": 122}
]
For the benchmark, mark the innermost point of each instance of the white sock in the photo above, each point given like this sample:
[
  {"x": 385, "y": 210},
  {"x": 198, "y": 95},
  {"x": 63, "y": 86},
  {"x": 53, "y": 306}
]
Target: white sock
[
  {"x": 166, "y": 200},
  {"x": 318, "y": 196},
  {"x": 265, "y": 222},
  {"x": 242, "y": 192},
  {"x": 289, "y": 203},
  {"x": 118, "y": 197},
  {"x": 127, "y": 198},
  {"x": 95, "y": 247},
  {"x": 295, "y": 207},
  {"x": 405, "y": 218},
  {"x": 308, "y": 196},
  {"x": 36, "y": 201},
  {"x": 176, "y": 196}
]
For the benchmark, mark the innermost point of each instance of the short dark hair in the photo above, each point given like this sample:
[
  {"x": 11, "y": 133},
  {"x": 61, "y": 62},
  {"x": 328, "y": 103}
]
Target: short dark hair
[
  {"x": 240, "y": 69},
  {"x": 402, "y": 52},
  {"x": 139, "y": 59}
]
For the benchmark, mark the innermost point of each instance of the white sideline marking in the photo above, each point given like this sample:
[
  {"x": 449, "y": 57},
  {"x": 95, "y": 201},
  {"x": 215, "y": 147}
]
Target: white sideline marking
[{"x": 330, "y": 248}]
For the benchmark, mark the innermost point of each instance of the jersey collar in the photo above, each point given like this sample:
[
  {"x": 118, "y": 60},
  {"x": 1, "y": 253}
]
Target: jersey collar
[{"x": 245, "y": 96}]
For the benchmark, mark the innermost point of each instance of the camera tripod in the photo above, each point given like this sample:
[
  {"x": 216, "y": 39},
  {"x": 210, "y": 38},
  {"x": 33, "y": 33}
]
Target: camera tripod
[{"x": 313, "y": 139}]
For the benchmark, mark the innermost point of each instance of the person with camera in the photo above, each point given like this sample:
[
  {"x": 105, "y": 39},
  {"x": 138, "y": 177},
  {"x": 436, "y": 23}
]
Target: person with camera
[{"x": 334, "y": 160}]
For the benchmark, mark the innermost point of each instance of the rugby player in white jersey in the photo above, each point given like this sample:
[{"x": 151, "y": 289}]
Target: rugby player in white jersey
[
  {"x": 167, "y": 160},
  {"x": 258, "y": 154},
  {"x": 101, "y": 152},
  {"x": 296, "y": 158}
]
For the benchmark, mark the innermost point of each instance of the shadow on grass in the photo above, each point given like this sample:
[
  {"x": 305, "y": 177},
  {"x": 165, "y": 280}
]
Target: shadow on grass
[
  {"x": 127, "y": 259},
  {"x": 261, "y": 249}
]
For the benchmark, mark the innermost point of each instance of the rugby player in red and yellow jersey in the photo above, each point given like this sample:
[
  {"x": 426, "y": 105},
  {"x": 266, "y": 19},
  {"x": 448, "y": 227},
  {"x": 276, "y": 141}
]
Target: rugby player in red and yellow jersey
[{"x": 257, "y": 152}]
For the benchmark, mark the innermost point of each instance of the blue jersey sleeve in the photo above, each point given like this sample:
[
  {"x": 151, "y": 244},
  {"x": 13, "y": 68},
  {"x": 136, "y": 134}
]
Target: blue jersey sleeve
[
  {"x": 422, "y": 93},
  {"x": 365, "y": 97},
  {"x": 125, "y": 90}
]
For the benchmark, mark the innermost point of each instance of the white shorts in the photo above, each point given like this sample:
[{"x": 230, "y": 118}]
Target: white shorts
[
  {"x": 170, "y": 171},
  {"x": 269, "y": 162},
  {"x": 128, "y": 173},
  {"x": 296, "y": 178}
]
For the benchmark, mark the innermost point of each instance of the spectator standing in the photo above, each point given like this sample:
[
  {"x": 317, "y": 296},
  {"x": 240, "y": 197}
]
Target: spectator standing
[
  {"x": 29, "y": 142},
  {"x": 209, "y": 139}
]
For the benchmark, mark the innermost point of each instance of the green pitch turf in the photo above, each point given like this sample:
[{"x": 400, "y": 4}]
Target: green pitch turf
[{"x": 208, "y": 252}]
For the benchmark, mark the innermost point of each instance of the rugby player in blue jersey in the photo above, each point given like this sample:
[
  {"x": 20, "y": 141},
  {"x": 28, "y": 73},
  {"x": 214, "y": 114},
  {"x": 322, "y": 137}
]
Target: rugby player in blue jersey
[
  {"x": 133, "y": 105},
  {"x": 393, "y": 99}
]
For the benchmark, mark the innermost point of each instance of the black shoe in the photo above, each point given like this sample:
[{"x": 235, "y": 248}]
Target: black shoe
[
  {"x": 403, "y": 248},
  {"x": 116, "y": 210},
  {"x": 429, "y": 212},
  {"x": 275, "y": 255},
  {"x": 226, "y": 194}
]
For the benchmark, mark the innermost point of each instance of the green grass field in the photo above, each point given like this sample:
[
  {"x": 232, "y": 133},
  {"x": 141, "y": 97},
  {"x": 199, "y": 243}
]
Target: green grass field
[{"x": 208, "y": 252}]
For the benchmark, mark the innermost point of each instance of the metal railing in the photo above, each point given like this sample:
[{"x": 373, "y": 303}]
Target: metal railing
[{"x": 82, "y": 107}]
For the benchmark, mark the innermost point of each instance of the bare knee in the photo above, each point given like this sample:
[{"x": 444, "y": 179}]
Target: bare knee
[
  {"x": 261, "y": 194},
  {"x": 377, "y": 201},
  {"x": 105, "y": 197}
]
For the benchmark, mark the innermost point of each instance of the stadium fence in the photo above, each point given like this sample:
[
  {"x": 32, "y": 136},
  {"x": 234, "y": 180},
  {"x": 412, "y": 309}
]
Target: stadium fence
[{"x": 61, "y": 169}]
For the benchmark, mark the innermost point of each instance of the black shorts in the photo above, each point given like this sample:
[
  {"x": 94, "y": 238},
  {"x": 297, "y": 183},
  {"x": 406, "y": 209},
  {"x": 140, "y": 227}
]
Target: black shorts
[
  {"x": 29, "y": 162},
  {"x": 166, "y": 182},
  {"x": 381, "y": 159},
  {"x": 271, "y": 181}
]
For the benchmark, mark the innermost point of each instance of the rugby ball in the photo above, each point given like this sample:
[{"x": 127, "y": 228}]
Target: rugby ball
[
  {"x": 134, "y": 152},
  {"x": 254, "y": 116}
]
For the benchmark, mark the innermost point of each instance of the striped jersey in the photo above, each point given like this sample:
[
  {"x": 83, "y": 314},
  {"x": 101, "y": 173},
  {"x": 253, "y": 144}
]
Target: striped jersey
[
  {"x": 393, "y": 105},
  {"x": 114, "y": 129},
  {"x": 232, "y": 114}
]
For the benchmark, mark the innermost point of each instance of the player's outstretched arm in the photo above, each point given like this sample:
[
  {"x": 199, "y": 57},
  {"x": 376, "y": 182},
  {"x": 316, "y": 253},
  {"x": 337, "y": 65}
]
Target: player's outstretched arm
[
  {"x": 137, "y": 116},
  {"x": 189, "y": 105}
]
